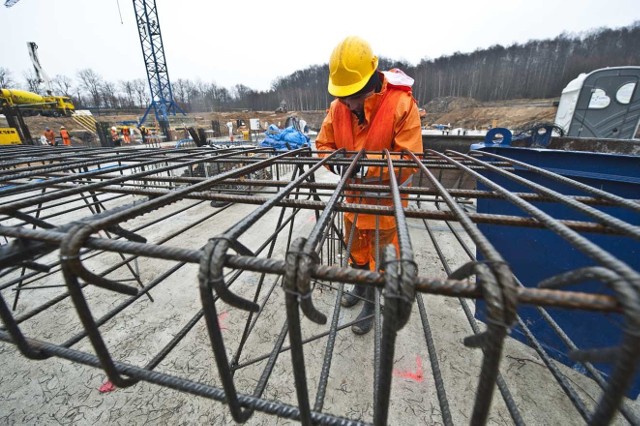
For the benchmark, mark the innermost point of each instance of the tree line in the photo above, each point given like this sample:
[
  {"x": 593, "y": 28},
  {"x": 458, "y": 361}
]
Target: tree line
[{"x": 535, "y": 69}]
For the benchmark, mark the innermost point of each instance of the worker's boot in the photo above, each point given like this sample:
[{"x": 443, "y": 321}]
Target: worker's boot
[
  {"x": 351, "y": 298},
  {"x": 368, "y": 309}
]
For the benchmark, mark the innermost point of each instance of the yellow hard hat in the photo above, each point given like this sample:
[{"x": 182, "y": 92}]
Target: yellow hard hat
[{"x": 351, "y": 65}]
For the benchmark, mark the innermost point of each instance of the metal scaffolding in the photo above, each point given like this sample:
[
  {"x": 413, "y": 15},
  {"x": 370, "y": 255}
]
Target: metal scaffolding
[{"x": 105, "y": 234}]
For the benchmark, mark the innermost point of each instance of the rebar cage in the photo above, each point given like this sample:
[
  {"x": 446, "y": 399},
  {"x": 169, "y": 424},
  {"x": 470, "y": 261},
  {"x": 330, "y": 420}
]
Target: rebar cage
[{"x": 112, "y": 258}]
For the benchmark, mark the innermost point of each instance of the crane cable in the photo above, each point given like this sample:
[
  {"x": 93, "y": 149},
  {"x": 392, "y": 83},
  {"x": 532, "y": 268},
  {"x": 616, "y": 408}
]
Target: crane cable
[{"x": 119, "y": 12}]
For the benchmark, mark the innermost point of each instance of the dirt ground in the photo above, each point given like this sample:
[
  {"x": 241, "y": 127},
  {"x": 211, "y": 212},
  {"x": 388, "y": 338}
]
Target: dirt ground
[
  {"x": 471, "y": 114},
  {"x": 458, "y": 112}
]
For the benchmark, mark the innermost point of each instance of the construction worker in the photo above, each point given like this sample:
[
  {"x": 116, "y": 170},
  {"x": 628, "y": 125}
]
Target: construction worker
[
  {"x": 115, "y": 136},
  {"x": 50, "y": 136},
  {"x": 144, "y": 132},
  {"x": 66, "y": 139},
  {"x": 230, "y": 127},
  {"x": 374, "y": 110},
  {"x": 126, "y": 135}
]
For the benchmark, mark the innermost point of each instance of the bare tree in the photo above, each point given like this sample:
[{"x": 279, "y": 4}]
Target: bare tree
[
  {"x": 32, "y": 81},
  {"x": 240, "y": 91},
  {"x": 5, "y": 78},
  {"x": 62, "y": 84},
  {"x": 109, "y": 95},
  {"x": 92, "y": 83},
  {"x": 140, "y": 87},
  {"x": 128, "y": 89},
  {"x": 181, "y": 90}
]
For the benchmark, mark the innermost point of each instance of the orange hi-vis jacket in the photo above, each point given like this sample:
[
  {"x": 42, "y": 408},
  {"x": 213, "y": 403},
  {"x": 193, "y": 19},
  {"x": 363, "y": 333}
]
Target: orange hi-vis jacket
[
  {"x": 51, "y": 136},
  {"x": 391, "y": 122},
  {"x": 126, "y": 135},
  {"x": 66, "y": 139}
]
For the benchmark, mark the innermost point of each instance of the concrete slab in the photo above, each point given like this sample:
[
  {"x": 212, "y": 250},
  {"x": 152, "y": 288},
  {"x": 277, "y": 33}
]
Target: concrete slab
[{"x": 58, "y": 391}]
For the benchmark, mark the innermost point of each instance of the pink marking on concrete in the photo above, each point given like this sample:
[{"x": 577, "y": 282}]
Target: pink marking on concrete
[
  {"x": 416, "y": 376},
  {"x": 221, "y": 318},
  {"x": 107, "y": 387}
]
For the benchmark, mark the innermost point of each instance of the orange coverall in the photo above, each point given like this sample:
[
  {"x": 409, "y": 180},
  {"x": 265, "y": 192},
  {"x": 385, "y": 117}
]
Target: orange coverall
[
  {"x": 391, "y": 122},
  {"x": 126, "y": 135},
  {"x": 66, "y": 139}
]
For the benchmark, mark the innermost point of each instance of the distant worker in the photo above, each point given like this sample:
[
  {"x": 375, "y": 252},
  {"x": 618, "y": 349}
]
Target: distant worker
[
  {"x": 126, "y": 135},
  {"x": 66, "y": 139},
  {"x": 374, "y": 110},
  {"x": 230, "y": 127},
  {"x": 115, "y": 136},
  {"x": 144, "y": 132},
  {"x": 50, "y": 136}
]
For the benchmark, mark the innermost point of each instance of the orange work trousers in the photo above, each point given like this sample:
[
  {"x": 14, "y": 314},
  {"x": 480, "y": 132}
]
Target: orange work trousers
[{"x": 363, "y": 247}]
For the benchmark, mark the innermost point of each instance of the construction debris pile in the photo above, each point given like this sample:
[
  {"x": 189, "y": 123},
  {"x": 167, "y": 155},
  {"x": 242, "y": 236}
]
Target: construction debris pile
[{"x": 115, "y": 259}]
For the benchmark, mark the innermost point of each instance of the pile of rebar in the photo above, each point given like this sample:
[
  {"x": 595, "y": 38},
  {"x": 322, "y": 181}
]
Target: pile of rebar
[{"x": 100, "y": 246}]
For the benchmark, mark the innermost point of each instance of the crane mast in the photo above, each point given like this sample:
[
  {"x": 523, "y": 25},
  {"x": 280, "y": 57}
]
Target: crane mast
[{"x": 155, "y": 62}]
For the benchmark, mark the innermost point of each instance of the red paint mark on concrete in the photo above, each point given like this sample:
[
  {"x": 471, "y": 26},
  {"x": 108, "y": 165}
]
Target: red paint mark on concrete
[
  {"x": 221, "y": 318},
  {"x": 416, "y": 376},
  {"x": 107, "y": 387}
]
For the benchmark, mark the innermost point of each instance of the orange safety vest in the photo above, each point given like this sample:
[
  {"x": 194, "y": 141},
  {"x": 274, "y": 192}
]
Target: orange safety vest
[
  {"x": 50, "y": 136},
  {"x": 378, "y": 136},
  {"x": 125, "y": 135}
]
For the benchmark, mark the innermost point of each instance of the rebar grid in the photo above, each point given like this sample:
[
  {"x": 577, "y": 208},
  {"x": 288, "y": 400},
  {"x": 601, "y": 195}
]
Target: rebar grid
[{"x": 95, "y": 239}]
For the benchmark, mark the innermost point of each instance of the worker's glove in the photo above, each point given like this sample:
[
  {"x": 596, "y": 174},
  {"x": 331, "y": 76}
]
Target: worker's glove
[{"x": 341, "y": 169}]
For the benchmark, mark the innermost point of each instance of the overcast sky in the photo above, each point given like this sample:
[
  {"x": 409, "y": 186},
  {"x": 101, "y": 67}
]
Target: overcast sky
[{"x": 255, "y": 42}]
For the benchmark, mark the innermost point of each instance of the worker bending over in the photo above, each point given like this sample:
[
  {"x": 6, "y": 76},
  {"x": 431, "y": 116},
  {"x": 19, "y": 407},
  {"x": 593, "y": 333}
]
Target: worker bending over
[
  {"x": 374, "y": 110},
  {"x": 50, "y": 136}
]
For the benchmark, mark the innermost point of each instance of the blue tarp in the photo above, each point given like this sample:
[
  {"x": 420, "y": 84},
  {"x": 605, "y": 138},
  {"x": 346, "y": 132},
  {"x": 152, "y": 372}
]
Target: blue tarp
[{"x": 282, "y": 140}]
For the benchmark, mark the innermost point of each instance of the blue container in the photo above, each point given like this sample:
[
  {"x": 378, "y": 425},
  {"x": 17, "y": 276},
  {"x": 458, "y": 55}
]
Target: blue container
[{"x": 536, "y": 254}]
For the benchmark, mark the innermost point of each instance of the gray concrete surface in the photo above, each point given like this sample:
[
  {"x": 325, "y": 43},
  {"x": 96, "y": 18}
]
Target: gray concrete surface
[{"x": 56, "y": 391}]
